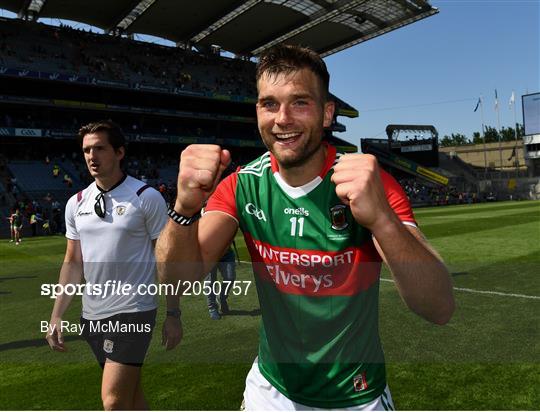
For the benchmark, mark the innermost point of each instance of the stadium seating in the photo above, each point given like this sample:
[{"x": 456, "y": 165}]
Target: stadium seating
[
  {"x": 168, "y": 174},
  {"x": 35, "y": 46},
  {"x": 73, "y": 171},
  {"x": 457, "y": 167},
  {"x": 37, "y": 177}
]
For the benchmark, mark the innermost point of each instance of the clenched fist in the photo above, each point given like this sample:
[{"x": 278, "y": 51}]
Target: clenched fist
[
  {"x": 358, "y": 185},
  {"x": 201, "y": 166}
]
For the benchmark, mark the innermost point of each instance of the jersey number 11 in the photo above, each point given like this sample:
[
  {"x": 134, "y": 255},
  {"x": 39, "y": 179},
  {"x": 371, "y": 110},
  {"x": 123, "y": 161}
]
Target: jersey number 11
[{"x": 300, "y": 221}]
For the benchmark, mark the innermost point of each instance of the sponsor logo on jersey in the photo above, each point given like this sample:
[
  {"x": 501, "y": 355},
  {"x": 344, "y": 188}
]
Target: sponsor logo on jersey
[
  {"x": 108, "y": 346},
  {"x": 301, "y": 281},
  {"x": 300, "y": 211},
  {"x": 360, "y": 383},
  {"x": 84, "y": 213},
  {"x": 120, "y": 210},
  {"x": 338, "y": 217},
  {"x": 253, "y": 210},
  {"x": 315, "y": 273}
]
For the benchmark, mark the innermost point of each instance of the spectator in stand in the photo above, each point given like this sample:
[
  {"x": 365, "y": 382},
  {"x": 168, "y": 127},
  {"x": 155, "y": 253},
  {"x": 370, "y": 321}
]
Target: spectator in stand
[
  {"x": 46, "y": 227},
  {"x": 56, "y": 205},
  {"x": 56, "y": 171},
  {"x": 13, "y": 182},
  {"x": 67, "y": 180},
  {"x": 57, "y": 220},
  {"x": 34, "y": 223}
]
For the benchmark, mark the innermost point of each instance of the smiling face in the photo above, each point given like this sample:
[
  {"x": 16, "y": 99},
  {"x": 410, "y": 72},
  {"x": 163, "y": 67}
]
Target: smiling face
[
  {"x": 292, "y": 114},
  {"x": 102, "y": 160}
]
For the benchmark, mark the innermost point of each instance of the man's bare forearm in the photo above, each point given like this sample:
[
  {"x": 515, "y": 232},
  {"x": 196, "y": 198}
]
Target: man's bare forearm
[
  {"x": 70, "y": 274},
  {"x": 178, "y": 254},
  {"x": 421, "y": 277}
]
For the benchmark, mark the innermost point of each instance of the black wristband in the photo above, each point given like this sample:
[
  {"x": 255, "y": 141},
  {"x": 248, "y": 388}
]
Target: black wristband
[
  {"x": 175, "y": 313},
  {"x": 181, "y": 219}
]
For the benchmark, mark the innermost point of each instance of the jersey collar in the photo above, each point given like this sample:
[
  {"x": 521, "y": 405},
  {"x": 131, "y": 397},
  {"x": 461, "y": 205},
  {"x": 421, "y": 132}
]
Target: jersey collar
[
  {"x": 114, "y": 186},
  {"x": 328, "y": 163}
]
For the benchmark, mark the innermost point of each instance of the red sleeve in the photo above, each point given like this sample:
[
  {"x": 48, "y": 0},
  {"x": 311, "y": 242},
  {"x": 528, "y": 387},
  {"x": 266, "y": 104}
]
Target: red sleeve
[
  {"x": 224, "y": 197},
  {"x": 397, "y": 198}
]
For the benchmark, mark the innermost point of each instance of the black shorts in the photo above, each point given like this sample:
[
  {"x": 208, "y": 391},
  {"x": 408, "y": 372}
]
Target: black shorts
[{"x": 122, "y": 338}]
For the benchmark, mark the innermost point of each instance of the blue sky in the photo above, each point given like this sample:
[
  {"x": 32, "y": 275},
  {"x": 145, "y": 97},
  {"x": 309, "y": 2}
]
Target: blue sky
[
  {"x": 433, "y": 71},
  {"x": 470, "y": 48}
]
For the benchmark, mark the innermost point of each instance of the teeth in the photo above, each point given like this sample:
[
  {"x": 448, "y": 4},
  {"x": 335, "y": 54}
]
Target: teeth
[{"x": 286, "y": 135}]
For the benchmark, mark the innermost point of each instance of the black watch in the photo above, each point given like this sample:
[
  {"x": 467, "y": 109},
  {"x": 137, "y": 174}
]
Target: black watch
[
  {"x": 181, "y": 219},
  {"x": 175, "y": 313}
]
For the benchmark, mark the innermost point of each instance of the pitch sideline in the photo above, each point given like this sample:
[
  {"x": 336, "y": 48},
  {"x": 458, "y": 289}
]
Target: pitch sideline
[{"x": 485, "y": 292}]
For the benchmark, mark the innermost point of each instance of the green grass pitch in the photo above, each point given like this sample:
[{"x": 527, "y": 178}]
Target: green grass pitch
[{"x": 487, "y": 357}]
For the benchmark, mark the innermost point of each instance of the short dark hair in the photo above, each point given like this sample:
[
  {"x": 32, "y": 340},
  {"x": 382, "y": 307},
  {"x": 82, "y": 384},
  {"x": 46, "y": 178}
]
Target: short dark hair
[
  {"x": 287, "y": 58},
  {"x": 114, "y": 132}
]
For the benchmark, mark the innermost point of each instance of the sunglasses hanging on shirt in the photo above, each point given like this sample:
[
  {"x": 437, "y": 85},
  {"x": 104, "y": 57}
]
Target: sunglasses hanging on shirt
[{"x": 99, "y": 206}]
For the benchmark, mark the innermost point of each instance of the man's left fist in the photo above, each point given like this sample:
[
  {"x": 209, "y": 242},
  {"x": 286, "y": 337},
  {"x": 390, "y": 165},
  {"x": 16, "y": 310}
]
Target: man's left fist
[{"x": 358, "y": 185}]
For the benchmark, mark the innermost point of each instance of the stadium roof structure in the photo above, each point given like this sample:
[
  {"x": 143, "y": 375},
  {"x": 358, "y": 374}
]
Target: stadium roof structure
[{"x": 245, "y": 27}]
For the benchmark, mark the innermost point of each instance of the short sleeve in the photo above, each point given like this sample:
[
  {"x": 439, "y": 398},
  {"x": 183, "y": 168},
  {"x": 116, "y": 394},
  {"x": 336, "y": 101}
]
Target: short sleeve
[
  {"x": 397, "y": 199},
  {"x": 155, "y": 211},
  {"x": 224, "y": 197},
  {"x": 69, "y": 215}
]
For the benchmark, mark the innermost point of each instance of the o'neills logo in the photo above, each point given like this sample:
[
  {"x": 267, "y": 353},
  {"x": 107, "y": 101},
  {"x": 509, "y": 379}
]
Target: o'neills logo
[
  {"x": 300, "y": 211},
  {"x": 338, "y": 217}
]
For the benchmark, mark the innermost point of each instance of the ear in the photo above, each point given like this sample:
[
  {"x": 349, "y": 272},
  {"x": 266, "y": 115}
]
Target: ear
[
  {"x": 329, "y": 109},
  {"x": 120, "y": 153}
]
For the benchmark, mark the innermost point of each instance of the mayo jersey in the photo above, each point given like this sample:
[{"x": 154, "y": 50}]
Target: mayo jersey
[{"x": 317, "y": 277}]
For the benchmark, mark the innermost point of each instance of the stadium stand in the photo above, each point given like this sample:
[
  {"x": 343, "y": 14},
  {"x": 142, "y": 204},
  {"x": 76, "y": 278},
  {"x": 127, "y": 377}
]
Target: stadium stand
[
  {"x": 75, "y": 170},
  {"x": 140, "y": 65},
  {"x": 36, "y": 179},
  {"x": 426, "y": 194},
  {"x": 457, "y": 167},
  {"x": 64, "y": 52},
  {"x": 3, "y": 196},
  {"x": 168, "y": 174}
]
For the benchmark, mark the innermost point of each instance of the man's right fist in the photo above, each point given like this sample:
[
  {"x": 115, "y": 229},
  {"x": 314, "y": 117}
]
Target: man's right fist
[{"x": 201, "y": 166}]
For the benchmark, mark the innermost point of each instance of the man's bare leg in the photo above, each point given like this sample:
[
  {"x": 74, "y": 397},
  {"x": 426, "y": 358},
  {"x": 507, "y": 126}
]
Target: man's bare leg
[
  {"x": 139, "y": 401},
  {"x": 119, "y": 386}
]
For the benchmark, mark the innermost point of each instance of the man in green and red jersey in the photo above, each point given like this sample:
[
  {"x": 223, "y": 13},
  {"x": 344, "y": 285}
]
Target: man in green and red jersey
[{"x": 317, "y": 225}]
